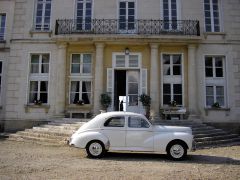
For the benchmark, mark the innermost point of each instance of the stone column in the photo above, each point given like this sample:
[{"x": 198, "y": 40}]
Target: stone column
[
  {"x": 98, "y": 80},
  {"x": 154, "y": 78},
  {"x": 192, "y": 78},
  {"x": 60, "y": 90}
]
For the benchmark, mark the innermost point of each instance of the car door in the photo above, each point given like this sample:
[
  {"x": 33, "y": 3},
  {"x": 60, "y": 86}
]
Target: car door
[
  {"x": 114, "y": 129},
  {"x": 139, "y": 134}
]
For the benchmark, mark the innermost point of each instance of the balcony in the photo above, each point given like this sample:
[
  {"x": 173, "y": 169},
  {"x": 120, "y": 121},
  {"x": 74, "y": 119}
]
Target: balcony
[{"x": 134, "y": 27}]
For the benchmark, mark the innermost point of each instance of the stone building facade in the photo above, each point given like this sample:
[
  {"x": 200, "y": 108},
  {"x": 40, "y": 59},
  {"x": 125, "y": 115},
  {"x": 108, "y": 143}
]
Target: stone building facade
[{"x": 58, "y": 54}]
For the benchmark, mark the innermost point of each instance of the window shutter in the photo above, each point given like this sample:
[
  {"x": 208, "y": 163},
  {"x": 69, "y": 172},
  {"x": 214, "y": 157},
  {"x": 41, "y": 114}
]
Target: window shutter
[
  {"x": 109, "y": 80},
  {"x": 110, "y": 85},
  {"x": 144, "y": 81}
]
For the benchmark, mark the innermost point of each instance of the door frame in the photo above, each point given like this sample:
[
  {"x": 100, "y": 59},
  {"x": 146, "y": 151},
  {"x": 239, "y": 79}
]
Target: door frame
[{"x": 139, "y": 68}]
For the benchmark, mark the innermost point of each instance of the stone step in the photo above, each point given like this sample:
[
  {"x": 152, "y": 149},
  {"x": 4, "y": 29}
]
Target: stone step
[
  {"x": 58, "y": 127},
  {"x": 77, "y": 124},
  {"x": 216, "y": 138},
  {"x": 207, "y": 131},
  {"x": 70, "y": 121},
  {"x": 54, "y": 135},
  {"x": 54, "y": 130},
  {"x": 211, "y": 134},
  {"x": 216, "y": 143},
  {"x": 37, "y": 140}
]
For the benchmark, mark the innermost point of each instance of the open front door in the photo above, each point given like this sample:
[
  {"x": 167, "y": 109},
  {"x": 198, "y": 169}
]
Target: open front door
[{"x": 132, "y": 90}]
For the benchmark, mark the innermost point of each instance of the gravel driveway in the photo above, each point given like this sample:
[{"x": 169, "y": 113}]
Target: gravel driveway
[{"x": 20, "y": 160}]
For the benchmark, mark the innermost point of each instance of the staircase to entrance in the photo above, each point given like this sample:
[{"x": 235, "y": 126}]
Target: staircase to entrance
[{"x": 58, "y": 132}]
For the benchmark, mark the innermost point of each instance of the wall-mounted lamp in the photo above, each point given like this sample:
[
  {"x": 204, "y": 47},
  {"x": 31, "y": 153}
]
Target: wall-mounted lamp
[{"x": 127, "y": 51}]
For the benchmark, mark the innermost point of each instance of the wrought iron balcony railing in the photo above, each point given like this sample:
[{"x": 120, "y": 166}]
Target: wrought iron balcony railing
[{"x": 114, "y": 26}]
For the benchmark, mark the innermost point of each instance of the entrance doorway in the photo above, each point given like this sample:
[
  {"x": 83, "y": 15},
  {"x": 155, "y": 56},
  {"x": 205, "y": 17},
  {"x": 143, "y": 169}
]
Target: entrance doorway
[{"x": 126, "y": 90}]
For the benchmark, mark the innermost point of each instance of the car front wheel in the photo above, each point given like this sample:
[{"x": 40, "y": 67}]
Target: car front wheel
[
  {"x": 95, "y": 149},
  {"x": 177, "y": 151}
]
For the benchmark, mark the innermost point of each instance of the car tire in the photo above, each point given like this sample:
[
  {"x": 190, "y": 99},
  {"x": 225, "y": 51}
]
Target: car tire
[
  {"x": 95, "y": 149},
  {"x": 177, "y": 151}
]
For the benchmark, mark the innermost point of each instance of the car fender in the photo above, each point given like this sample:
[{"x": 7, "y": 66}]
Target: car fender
[
  {"x": 81, "y": 140},
  {"x": 161, "y": 140}
]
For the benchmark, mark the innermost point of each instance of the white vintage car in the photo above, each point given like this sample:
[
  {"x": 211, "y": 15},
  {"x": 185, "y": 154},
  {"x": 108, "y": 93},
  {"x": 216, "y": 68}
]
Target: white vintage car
[{"x": 125, "y": 131}]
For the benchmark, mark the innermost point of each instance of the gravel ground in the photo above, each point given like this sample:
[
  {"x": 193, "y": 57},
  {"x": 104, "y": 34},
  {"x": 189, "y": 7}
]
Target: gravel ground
[{"x": 19, "y": 160}]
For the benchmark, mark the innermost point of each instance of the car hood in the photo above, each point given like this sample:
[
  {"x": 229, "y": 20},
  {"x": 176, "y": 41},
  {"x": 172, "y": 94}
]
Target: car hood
[{"x": 172, "y": 129}]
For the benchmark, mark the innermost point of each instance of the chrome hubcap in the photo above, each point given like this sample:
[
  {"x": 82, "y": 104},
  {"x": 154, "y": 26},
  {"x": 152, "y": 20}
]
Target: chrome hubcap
[
  {"x": 95, "y": 149},
  {"x": 177, "y": 151}
]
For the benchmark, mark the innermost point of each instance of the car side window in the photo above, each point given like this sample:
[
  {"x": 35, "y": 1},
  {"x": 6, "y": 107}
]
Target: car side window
[
  {"x": 115, "y": 122},
  {"x": 137, "y": 122}
]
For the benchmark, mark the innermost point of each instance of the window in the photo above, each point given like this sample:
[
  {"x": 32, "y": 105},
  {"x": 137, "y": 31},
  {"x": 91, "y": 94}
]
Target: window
[
  {"x": 2, "y": 26},
  {"x": 215, "y": 80},
  {"x": 115, "y": 122},
  {"x": 212, "y": 17},
  {"x": 214, "y": 66},
  {"x": 84, "y": 14},
  {"x": 172, "y": 79},
  {"x": 42, "y": 15},
  {"x": 131, "y": 61},
  {"x": 170, "y": 13},
  {"x": 38, "y": 78},
  {"x": 81, "y": 79},
  {"x": 172, "y": 92},
  {"x": 137, "y": 122},
  {"x": 81, "y": 64},
  {"x": 80, "y": 91},
  {"x": 126, "y": 15},
  {"x": 214, "y": 94},
  {"x": 172, "y": 64}
]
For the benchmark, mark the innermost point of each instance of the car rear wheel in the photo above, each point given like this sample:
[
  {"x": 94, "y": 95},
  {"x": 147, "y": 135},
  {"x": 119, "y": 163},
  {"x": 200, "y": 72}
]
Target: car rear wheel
[
  {"x": 95, "y": 149},
  {"x": 177, "y": 151}
]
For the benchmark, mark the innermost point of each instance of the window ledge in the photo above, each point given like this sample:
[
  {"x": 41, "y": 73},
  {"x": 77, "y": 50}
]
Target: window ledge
[
  {"x": 2, "y": 41},
  {"x": 49, "y": 32},
  {"x": 223, "y": 34},
  {"x": 33, "y": 106},
  {"x": 76, "y": 106},
  {"x": 207, "y": 109}
]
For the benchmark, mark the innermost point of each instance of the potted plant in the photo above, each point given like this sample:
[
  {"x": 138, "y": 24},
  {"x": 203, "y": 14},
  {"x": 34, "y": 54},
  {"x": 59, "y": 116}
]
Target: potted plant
[
  {"x": 79, "y": 102},
  {"x": 105, "y": 100},
  {"x": 216, "y": 105},
  {"x": 146, "y": 102},
  {"x": 173, "y": 103},
  {"x": 37, "y": 102}
]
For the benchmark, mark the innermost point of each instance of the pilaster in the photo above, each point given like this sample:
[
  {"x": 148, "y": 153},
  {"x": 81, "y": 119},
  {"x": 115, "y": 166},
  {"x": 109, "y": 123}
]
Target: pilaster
[
  {"x": 98, "y": 80},
  {"x": 154, "y": 85},
  {"x": 61, "y": 79},
  {"x": 192, "y": 78}
]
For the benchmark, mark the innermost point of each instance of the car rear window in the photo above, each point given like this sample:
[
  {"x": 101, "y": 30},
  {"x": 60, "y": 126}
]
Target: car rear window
[
  {"x": 115, "y": 122},
  {"x": 137, "y": 122}
]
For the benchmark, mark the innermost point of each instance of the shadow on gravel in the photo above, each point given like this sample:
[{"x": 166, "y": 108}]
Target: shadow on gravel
[
  {"x": 190, "y": 159},
  {"x": 3, "y": 138}
]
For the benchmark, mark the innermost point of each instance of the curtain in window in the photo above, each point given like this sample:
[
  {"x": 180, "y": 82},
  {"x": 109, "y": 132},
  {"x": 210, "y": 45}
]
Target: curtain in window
[
  {"x": 2, "y": 26},
  {"x": 35, "y": 63},
  {"x": 45, "y": 63},
  {"x": 86, "y": 92},
  {"x": 74, "y": 97},
  {"x": 44, "y": 91},
  {"x": 33, "y": 91}
]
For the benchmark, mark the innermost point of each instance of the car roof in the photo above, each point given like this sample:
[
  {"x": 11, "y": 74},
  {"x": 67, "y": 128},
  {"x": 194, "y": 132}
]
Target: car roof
[
  {"x": 119, "y": 113},
  {"x": 100, "y": 119}
]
